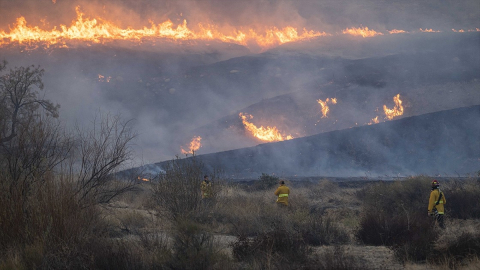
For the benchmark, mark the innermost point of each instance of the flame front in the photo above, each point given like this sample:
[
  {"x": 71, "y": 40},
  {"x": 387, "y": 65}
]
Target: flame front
[
  {"x": 374, "y": 121},
  {"x": 396, "y": 31},
  {"x": 397, "y": 109},
  {"x": 195, "y": 144},
  {"x": 100, "y": 31},
  {"x": 269, "y": 134},
  {"x": 325, "y": 108},
  {"x": 429, "y": 30},
  {"x": 363, "y": 31}
]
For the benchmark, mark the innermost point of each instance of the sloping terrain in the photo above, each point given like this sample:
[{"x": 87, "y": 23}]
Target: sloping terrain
[
  {"x": 440, "y": 143},
  {"x": 182, "y": 91}
]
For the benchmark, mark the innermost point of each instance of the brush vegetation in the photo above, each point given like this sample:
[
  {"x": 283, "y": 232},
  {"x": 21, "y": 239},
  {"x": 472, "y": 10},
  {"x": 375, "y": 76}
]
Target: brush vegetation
[{"x": 62, "y": 206}]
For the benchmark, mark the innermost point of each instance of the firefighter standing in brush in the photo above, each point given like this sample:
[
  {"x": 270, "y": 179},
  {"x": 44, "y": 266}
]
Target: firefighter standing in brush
[
  {"x": 282, "y": 192},
  {"x": 206, "y": 189},
  {"x": 436, "y": 204}
]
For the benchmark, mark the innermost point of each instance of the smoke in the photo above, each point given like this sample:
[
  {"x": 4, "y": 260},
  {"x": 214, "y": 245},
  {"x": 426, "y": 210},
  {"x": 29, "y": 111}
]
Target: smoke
[
  {"x": 330, "y": 15},
  {"x": 176, "y": 91}
]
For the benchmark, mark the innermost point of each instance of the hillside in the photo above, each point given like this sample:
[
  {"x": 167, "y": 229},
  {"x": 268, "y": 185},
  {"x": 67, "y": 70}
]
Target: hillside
[{"x": 439, "y": 143}]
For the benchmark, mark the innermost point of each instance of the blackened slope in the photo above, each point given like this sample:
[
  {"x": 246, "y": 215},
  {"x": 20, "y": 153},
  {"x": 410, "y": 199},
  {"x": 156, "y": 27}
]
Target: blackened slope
[{"x": 446, "y": 142}]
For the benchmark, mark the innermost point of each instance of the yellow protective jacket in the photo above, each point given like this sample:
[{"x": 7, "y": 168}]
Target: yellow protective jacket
[
  {"x": 434, "y": 195},
  {"x": 206, "y": 189},
  {"x": 282, "y": 193}
]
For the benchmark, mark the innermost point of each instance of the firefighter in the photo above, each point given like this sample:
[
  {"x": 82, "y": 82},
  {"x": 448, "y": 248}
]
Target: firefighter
[
  {"x": 282, "y": 192},
  {"x": 206, "y": 188},
  {"x": 436, "y": 204}
]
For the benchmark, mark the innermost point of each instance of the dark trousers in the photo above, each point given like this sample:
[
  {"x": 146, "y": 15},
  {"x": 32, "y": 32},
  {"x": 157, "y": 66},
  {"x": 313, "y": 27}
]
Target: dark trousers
[{"x": 440, "y": 221}]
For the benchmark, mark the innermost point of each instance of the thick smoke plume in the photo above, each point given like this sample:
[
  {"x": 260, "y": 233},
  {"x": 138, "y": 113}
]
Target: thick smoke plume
[{"x": 175, "y": 91}]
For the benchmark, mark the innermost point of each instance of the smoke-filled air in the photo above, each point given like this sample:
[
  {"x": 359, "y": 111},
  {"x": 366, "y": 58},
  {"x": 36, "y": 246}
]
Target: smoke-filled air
[{"x": 331, "y": 88}]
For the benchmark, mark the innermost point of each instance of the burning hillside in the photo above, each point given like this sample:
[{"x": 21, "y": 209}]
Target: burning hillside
[
  {"x": 192, "y": 78},
  {"x": 442, "y": 143},
  {"x": 85, "y": 29}
]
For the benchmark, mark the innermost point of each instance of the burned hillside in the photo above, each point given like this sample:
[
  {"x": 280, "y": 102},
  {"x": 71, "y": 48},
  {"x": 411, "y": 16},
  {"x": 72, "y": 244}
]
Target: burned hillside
[{"x": 440, "y": 143}]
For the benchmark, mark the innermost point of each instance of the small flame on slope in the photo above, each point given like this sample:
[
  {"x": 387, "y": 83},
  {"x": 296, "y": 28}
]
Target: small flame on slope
[
  {"x": 374, "y": 121},
  {"x": 324, "y": 105},
  {"x": 195, "y": 144},
  {"x": 269, "y": 134},
  {"x": 396, "y": 31},
  {"x": 397, "y": 109},
  {"x": 363, "y": 31},
  {"x": 429, "y": 30}
]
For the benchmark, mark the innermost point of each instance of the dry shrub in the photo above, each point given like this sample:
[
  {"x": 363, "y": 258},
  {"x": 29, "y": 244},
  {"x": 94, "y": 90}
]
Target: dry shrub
[
  {"x": 395, "y": 216},
  {"x": 193, "y": 246},
  {"x": 458, "y": 252},
  {"x": 323, "y": 231},
  {"x": 119, "y": 255},
  {"x": 177, "y": 190},
  {"x": 462, "y": 199},
  {"x": 265, "y": 181},
  {"x": 49, "y": 228},
  {"x": 278, "y": 249},
  {"x": 337, "y": 259}
]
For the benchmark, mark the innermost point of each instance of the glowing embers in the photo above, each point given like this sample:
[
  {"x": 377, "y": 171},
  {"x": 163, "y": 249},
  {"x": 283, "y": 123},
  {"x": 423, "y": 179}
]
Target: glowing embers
[
  {"x": 268, "y": 134},
  {"x": 101, "y": 31},
  {"x": 102, "y": 78},
  {"x": 324, "y": 104},
  {"x": 397, "y": 109},
  {"x": 362, "y": 31},
  {"x": 195, "y": 144}
]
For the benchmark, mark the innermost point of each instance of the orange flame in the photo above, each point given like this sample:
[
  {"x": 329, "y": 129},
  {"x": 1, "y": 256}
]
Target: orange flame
[
  {"x": 325, "y": 108},
  {"x": 143, "y": 179},
  {"x": 397, "y": 109},
  {"x": 428, "y": 30},
  {"x": 374, "y": 121},
  {"x": 101, "y": 31},
  {"x": 194, "y": 146},
  {"x": 396, "y": 31},
  {"x": 102, "y": 78},
  {"x": 364, "y": 32},
  {"x": 269, "y": 134}
]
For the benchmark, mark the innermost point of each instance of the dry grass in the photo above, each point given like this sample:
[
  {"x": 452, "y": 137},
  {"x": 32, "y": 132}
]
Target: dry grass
[{"x": 133, "y": 231}]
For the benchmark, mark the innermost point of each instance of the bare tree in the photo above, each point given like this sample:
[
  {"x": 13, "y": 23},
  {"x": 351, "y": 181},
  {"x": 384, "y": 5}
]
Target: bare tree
[
  {"x": 102, "y": 151},
  {"x": 19, "y": 99}
]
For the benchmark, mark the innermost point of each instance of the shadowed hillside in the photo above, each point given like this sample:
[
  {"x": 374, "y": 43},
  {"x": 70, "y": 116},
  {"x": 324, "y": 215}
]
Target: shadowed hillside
[{"x": 445, "y": 142}]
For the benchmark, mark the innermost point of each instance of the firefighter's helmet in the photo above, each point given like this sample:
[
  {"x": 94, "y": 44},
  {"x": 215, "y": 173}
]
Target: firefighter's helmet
[{"x": 435, "y": 184}]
